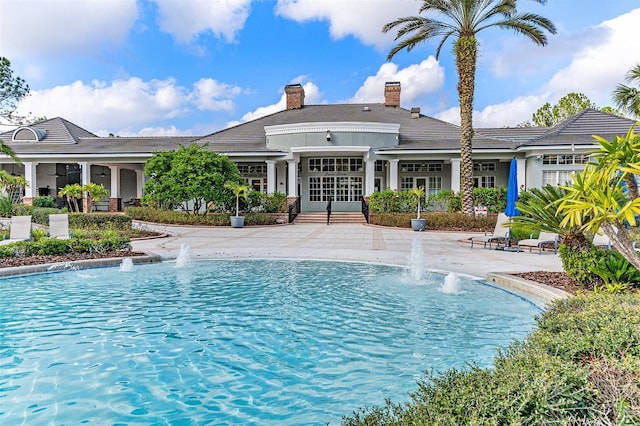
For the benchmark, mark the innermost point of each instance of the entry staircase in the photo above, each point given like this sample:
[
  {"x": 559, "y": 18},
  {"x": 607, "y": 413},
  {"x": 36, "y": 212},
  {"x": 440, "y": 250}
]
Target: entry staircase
[{"x": 336, "y": 217}]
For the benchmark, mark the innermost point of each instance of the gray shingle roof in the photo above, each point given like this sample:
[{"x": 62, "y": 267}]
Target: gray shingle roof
[
  {"x": 422, "y": 133},
  {"x": 415, "y": 133}
]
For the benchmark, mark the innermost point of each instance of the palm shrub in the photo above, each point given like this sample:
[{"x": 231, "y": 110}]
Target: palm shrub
[{"x": 539, "y": 212}]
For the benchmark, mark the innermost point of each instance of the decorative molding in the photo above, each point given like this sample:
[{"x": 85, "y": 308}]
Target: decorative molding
[{"x": 361, "y": 127}]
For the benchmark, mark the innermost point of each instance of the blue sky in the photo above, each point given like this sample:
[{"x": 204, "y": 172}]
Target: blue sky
[{"x": 191, "y": 67}]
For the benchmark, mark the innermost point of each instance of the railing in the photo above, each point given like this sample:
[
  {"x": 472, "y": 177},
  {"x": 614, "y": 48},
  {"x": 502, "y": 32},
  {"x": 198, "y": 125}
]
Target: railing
[
  {"x": 294, "y": 209},
  {"x": 365, "y": 209}
]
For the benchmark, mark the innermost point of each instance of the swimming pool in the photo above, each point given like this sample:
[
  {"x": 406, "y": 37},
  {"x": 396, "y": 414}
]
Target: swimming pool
[{"x": 237, "y": 341}]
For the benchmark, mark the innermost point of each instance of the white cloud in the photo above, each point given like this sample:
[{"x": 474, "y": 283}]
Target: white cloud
[
  {"x": 597, "y": 67},
  {"x": 505, "y": 114},
  {"x": 416, "y": 81},
  {"x": 363, "y": 21},
  {"x": 43, "y": 27},
  {"x": 211, "y": 95},
  {"x": 312, "y": 96},
  {"x": 223, "y": 18},
  {"x": 122, "y": 106}
]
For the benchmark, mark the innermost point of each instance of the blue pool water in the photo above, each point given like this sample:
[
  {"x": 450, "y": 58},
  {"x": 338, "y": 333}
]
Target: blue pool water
[{"x": 236, "y": 342}]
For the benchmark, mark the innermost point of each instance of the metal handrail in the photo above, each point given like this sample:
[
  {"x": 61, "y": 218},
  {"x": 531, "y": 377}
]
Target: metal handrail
[
  {"x": 365, "y": 209},
  {"x": 294, "y": 209}
]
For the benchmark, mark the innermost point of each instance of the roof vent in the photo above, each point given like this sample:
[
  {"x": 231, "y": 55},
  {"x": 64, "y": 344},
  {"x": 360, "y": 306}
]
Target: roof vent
[
  {"x": 415, "y": 112},
  {"x": 366, "y": 108}
]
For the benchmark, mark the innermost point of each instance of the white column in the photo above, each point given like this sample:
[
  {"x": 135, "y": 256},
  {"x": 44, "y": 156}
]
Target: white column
[
  {"x": 139, "y": 183},
  {"x": 522, "y": 172},
  {"x": 292, "y": 187},
  {"x": 455, "y": 174},
  {"x": 281, "y": 173},
  {"x": 85, "y": 175},
  {"x": 30, "y": 176},
  {"x": 271, "y": 176},
  {"x": 115, "y": 181},
  {"x": 369, "y": 174},
  {"x": 393, "y": 175}
]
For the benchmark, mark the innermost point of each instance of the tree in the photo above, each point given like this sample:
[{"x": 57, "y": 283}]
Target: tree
[
  {"x": 239, "y": 190},
  {"x": 464, "y": 19},
  {"x": 12, "y": 89},
  {"x": 72, "y": 192},
  {"x": 627, "y": 98},
  {"x": 569, "y": 104},
  {"x": 189, "y": 178},
  {"x": 599, "y": 199},
  {"x": 95, "y": 192}
]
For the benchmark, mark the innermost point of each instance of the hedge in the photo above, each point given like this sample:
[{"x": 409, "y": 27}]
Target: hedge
[
  {"x": 580, "y": 366},
  {"x": 150, "y": 214},
  {"x": 440, "y": 221}
]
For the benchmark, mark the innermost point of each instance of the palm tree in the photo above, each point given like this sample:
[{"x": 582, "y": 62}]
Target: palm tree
[
  {"x": 627, "y": 98},
  {"x": 463, "y": 19}
]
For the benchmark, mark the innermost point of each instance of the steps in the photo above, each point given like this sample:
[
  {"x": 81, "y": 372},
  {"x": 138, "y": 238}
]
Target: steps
[{"x": 336, "y": 217}]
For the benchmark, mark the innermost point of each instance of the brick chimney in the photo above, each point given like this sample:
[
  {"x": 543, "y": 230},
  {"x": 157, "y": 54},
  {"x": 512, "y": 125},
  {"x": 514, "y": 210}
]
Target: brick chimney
[
  {"x": 392, "y": 94},
  {"x": 295, "y": 96}
]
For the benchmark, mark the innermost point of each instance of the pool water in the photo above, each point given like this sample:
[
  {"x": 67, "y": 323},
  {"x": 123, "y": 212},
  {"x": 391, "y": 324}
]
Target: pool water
[{"x": 237, "y": 342}]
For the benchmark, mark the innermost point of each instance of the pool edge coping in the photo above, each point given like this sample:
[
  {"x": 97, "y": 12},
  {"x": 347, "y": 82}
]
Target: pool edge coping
[
  {"x": 542, "y": 291},
  {"x": 75, "y": 264}
]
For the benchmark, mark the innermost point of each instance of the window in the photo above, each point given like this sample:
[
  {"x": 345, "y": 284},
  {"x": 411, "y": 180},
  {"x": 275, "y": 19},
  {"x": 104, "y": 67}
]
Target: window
[
  {"x": 420, "y": 167},
  {"x": 556, "y": 177},
  {"x": 565, "y": 159},
  {"x": 379, "y": 166},
  {"x": 484, "y": 182},
  {"x": 252, "y": 169},
  {"x": 406, "y": 183},
  {"x": 484, "y": 167},
  {"x": 315, "y": 189},
  {"x": 315, "y": 165},
  {"x": 435, "y": 185}
]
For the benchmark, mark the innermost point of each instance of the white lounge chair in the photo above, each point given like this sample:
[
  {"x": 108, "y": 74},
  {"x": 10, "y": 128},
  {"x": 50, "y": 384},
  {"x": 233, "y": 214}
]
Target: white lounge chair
[
  {"x": 500, "y": 233},
  {"x": 59, "y": 226},
  {"x": 20, "y": 230},
  {"x": 543, "y": 238},
  {"x": 601, "y": 240}
]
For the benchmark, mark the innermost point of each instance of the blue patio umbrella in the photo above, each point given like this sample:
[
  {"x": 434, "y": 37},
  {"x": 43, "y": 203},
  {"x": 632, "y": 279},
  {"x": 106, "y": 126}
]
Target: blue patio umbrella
[{"x": 512, "y": 190}]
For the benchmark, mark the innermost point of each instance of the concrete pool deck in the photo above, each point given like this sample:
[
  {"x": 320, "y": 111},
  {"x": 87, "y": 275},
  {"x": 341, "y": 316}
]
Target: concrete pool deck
[{"x": 446, "y": 251}]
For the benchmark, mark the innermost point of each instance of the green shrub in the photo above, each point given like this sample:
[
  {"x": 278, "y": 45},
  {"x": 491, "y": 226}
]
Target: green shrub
[
  {"x": 259, "y": 202},
  {"x": 52, "y": 246},
  {"x": 99, "y": 221},
  {"x": 578, "y": 264},
  {"x": 389, "y": 201},
  {"x": 22, "y": 210},
  {"x": 6, "y": 206},
  {"x": 444, "y": 200},
  {"x": 44, "y": 201},
  {"x": 580, "y": 366},
  {"x": 40, "y": 215},
  {"x": 613, "y": 268},
  {"x": 494, "y": 199},
  {"x": 441, "y": 221}
]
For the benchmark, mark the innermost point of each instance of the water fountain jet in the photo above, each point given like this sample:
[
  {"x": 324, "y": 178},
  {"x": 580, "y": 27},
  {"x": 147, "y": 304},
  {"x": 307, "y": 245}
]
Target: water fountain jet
[{"x": 184, "y": 257}]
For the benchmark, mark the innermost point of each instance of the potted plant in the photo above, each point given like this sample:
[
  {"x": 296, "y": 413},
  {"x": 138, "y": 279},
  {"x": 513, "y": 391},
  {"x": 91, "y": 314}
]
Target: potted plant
[
  {"x": 418, "y": 224},
  {"x": 239, "y": 190}
]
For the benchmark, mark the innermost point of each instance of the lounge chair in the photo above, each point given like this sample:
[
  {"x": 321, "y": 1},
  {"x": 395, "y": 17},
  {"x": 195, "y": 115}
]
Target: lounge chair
[
  {"x": 20, "y": 230},
  {"x": 601, "y": 240},
  {"x": 59, "y": 226},
  {"x": 500, "y": 233},
  {"x": 543, "y": 238}
]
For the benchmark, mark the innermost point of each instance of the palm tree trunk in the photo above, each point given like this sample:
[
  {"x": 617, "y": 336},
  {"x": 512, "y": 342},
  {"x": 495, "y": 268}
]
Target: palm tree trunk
[
  {"x": 466, "y": 50},
  {"x": 632, "y": 187}
]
